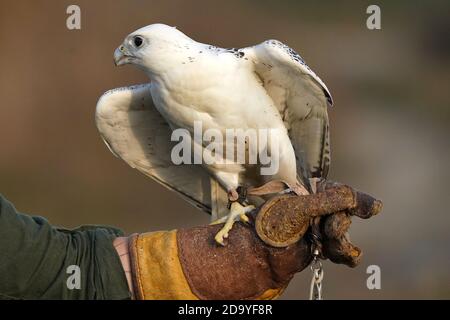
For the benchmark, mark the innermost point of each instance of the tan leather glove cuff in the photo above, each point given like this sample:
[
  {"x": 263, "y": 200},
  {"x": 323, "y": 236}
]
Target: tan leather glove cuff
[
  {"x": 156, "y": 269},
  {"x": 188, "y": 264}
]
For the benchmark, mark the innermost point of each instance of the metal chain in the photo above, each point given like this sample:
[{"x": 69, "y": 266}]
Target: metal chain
[{"x": 315, "y": 291}]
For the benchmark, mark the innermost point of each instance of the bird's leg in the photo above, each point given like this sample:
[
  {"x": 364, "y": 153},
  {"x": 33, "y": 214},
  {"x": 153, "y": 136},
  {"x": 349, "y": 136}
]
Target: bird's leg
[{"x": 237, "y": 212}]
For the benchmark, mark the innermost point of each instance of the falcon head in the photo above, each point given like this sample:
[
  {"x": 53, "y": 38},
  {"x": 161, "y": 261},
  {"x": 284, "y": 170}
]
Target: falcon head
[{"x": 151, "y": 48}]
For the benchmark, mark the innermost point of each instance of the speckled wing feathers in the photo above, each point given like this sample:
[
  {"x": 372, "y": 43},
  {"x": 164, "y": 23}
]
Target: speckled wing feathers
[{"x": 302, "y": 99}]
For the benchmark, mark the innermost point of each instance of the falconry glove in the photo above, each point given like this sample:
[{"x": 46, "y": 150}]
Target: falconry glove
[{"x": 254, "y": 264}]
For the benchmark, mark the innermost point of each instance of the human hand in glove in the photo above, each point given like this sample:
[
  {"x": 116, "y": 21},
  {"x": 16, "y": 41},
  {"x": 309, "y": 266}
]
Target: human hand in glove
[{"x": 255, "y": 263}]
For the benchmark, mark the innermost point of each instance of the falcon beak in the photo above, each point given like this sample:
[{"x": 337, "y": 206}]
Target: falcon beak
[{"x": 122, "y": 56}]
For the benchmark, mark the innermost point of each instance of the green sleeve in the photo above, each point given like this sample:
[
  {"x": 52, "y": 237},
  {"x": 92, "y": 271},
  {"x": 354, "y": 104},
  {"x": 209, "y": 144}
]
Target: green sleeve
[{"x": 36, "y": 260}]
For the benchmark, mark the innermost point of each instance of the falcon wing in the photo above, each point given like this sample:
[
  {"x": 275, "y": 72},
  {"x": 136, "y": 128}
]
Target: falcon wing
[
  {"x": 302, "y": 100},
  {"x": 136, "y": 132}
]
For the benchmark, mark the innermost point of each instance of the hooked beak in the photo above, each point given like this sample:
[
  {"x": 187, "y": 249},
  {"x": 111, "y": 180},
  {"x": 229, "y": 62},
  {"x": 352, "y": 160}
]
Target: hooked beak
[{"x": 121, "y": 56}]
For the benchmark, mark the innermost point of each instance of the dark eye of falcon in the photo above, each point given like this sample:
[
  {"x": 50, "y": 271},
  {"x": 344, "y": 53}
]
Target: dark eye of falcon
[{"x": 138, "y": 41}]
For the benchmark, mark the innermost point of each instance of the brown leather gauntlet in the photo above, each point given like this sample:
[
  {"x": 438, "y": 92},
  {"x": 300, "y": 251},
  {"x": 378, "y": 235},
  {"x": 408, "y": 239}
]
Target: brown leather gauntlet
[{"x": 189, "y": 264}]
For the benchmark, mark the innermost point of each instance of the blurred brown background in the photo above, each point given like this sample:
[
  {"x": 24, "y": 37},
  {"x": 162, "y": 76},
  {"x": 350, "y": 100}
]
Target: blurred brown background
[{"x": 390, "y": 131}]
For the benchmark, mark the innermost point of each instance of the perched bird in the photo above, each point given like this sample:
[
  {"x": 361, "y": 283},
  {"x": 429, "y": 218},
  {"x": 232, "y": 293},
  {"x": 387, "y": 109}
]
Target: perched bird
[{"x": 266, "y": 86}]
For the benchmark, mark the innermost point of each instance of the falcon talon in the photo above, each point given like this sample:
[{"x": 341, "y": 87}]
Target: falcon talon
[
  {"x": 244, "y": 218},
  {"x": 219, "y": 238},
  {"x": 219, "y": 221},
  {"x": 237, "y": 212}
]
